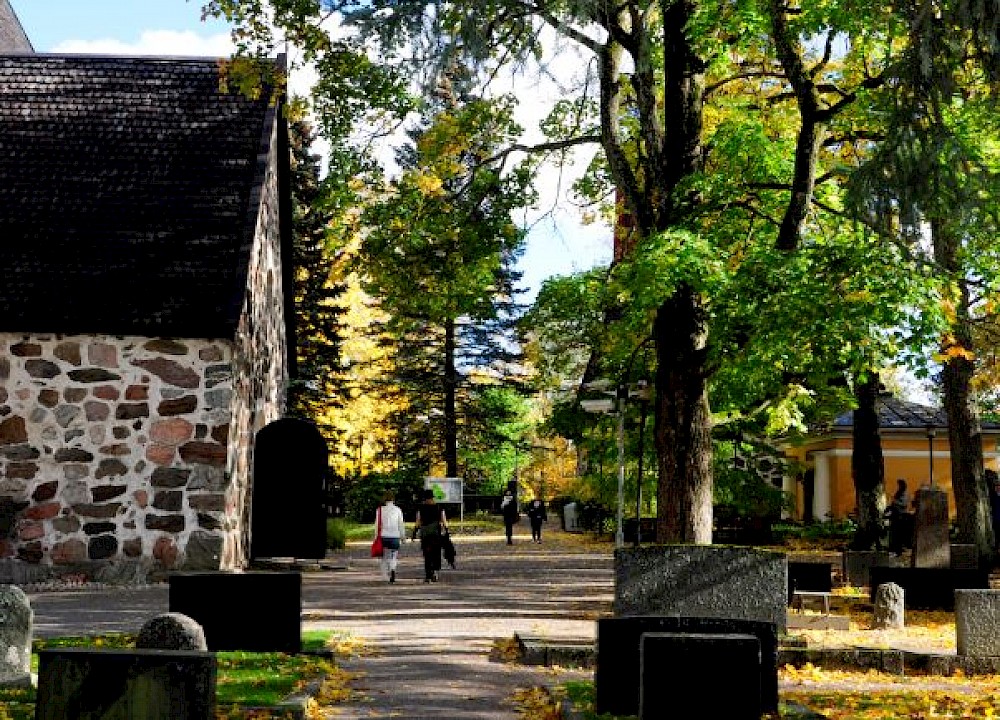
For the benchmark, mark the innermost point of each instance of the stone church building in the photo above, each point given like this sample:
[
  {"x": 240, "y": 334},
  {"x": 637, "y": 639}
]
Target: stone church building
[{"x": 145, "y": 332}]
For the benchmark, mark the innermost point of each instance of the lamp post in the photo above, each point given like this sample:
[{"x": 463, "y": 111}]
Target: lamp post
[
  {"x": 930, "y": 454},
  {"x": 622, "y": 399}
]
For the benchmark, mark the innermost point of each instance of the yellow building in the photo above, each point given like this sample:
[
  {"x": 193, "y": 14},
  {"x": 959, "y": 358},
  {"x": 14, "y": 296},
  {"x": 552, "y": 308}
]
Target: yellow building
[{"x": 915, "y": 448}]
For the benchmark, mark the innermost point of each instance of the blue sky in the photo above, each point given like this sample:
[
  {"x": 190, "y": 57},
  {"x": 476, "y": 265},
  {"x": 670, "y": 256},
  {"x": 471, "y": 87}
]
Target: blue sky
[{"x": 557, "y": 245}]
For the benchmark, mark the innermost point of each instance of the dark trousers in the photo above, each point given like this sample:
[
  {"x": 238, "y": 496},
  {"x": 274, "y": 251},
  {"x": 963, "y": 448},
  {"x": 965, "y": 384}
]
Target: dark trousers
[
  {"x": 430, "y": 546},
  {"x": 536, "y": 529}
]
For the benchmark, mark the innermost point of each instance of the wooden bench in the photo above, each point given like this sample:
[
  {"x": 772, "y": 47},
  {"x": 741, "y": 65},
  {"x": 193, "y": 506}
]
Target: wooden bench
[{"x": 800, "y": 596}]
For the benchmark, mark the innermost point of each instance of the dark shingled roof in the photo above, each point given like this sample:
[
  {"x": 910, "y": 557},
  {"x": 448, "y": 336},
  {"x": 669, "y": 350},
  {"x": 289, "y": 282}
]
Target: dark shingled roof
[
  {"x": 896, "y": 414},
  {"x": 12, "y": 36},
  {"x": 126, "y": 194}
]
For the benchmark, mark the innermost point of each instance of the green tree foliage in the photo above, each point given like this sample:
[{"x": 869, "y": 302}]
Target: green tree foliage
[
  {"x": 439, "y": 255},
  {"x": 319, "y": 381},
  {"x": 496, "y": 438},
  {"x": 726, "y": 135}
]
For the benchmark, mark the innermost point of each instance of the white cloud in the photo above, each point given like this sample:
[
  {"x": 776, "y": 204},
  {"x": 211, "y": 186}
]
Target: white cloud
[{"x": 154, "y": 42}]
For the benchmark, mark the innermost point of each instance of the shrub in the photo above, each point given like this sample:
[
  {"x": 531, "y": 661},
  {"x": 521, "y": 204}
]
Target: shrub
[{"x": 336, "y": 534}]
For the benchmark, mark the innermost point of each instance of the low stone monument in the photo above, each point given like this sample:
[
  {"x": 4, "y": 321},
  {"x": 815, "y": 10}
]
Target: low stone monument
[
  {"x": 673, "y": 669},
  {"x": 702, "y": 581},
  {"x": 931, "y": 545},
  {"x": 112, "y": 684},
  {"x": 16, "y": 619},
  {"x": 171, "y": 631},
  {"x": 977, "y": 622},
  {"x": 889, "y": 610}
]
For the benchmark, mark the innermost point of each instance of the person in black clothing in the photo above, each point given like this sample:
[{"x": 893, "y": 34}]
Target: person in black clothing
[
  {"x": 508, "y": 508},
  {"x": 993, "y": 483},
  {"x": 898, "y": 516},
  {"x": 536, "y": 516},
  {"x": 431, "y": 523}
]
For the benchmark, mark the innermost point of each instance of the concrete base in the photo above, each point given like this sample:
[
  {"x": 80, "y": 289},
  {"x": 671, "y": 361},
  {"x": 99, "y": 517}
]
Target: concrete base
[{"x": 809, "y": 621}]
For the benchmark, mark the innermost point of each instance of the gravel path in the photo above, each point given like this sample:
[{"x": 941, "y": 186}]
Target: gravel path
[{"x": 431, "y": 643}]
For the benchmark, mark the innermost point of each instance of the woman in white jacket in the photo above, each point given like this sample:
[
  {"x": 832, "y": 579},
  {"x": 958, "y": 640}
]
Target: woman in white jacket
[{"x": 390, "y": 525}]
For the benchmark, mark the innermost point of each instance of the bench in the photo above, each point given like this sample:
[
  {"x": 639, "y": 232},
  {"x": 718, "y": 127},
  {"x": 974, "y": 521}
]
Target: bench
[{"x": 800, "y": 596}]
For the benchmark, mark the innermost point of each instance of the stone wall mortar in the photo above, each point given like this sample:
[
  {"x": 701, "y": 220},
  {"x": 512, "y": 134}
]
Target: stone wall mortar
[
  {"x": 260, "y": 368},
  {"x": 110, "y": 447}
]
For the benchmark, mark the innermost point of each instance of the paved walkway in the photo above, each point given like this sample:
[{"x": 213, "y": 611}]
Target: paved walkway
[{"x": 429, "y": 643}]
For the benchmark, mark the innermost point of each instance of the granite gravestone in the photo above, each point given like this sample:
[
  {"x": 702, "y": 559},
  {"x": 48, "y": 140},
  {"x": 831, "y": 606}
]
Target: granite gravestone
[
  {"x": 618, "y": 664},
  {"x": 89, "y": 683},
  {"x": 674, "y": 668},
  {"x": 171, "y": 631},
  {"x": 702, "y": 581},
  {"x": 288, "y": 511},
  {"x": 931, "y": 545},
  {"x": 257, "y": 611},
  {"x": 977, "y": 623},
  {"x": 16, "y": 618}
]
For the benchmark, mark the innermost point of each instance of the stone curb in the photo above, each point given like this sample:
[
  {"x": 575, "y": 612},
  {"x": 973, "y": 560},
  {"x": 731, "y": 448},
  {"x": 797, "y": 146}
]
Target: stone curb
[{"x": 581, "y": 653}]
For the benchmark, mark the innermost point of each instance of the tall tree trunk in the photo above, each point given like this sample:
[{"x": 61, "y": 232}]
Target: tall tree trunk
[
  {"x": 450, "y": 413},
  {"x": 867, "y": 465},
  {"x": 972, "y": 496},
  {"x": 682, "y": 424}
]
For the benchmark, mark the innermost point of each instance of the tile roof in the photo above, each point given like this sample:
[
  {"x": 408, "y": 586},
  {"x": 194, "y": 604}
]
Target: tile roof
[
  {"x": 897, "y": 414},
  {"x": 125, "y": 194},
  {"x": 12, "y": 36}
]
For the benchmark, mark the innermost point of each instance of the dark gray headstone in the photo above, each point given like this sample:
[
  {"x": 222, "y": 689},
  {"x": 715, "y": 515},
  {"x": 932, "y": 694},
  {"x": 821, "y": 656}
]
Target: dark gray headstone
[
  {"x": 288, "y": 512},
  {"x": 171, "y": 631},
  {"x": 617, "y": 668},
  {"x": 929, "y": 588},
  {"x": 931, "y": 546},
  {"x": 809, "y": 577},
  {"x": 858, "y": 563},
  {"x": 702, "y": 581},
  {"x": 674, "y": 668},
  {"x": 88, "y": 683},
  {"x": 258, "y": 611},
  {"x": 977, "y": 622},
  {"x": 16, "y": 618}
]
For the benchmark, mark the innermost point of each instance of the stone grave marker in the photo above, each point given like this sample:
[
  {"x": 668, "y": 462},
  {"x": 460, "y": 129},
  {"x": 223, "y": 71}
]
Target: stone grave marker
[
  {"x": 857, "y": 565},
  {"x": 675, "y": 667},
  {"x": 171, "y": 631},
  {"x": 288, "y": 511},
  {"x": 929, "y": 588},
  {"x": 977, "y": 622},
  {"x": 91, "y": 683},
  {"x": 702, "y": 581},
  {"x": 16, "y": 623},
  {"x": 618, "y": 663},
  {"x": 890, "y": 609},
  {"x": 931, "y": 546},
  {"x": 256, "y": 611}
]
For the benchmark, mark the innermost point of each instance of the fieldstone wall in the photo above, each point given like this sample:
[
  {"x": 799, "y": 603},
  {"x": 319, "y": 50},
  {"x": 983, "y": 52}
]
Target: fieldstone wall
[
  {"x": 260, "y": 368},
  {"x": 113, "y": 448},
  {"x": 130, "y": 450}
]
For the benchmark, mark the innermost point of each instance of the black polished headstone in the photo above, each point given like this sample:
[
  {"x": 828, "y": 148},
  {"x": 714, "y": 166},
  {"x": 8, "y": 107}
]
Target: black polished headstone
[
  {"x": 809, "y": 577},
  {"x": 252, "y": 611},
  {"x": 616, "y": 672},
  {"x": 288, "y": 512},
  {"x": 674, "y": 668},
  {"x": 89, "y": 683},
  {"x": 929, "y": 588}
]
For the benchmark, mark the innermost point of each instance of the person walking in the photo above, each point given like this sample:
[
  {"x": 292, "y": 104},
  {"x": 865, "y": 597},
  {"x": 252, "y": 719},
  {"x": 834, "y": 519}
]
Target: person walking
[
  {"x": 993, "y": 483},
  {"x": 430, "y": 524},
  {"x": 390, "y": 525},
  {"x": 898, "y": 518},
  {"x": 536, "y": 516},
  {"x": 508, "y": 508}
]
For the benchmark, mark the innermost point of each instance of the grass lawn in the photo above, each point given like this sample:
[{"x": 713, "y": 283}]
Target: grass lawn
[{"x": 247, "y": 683}]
